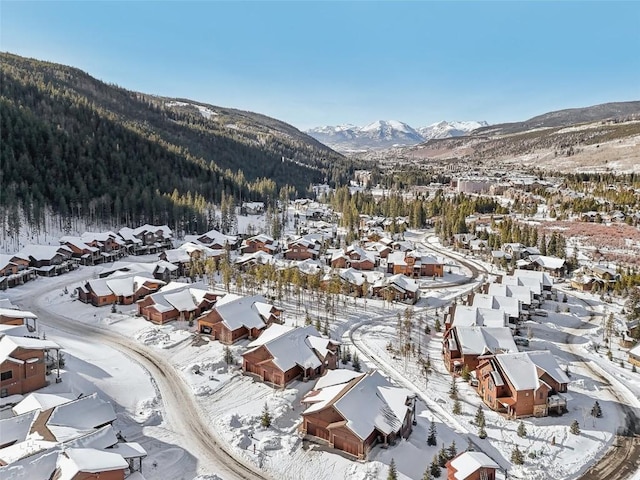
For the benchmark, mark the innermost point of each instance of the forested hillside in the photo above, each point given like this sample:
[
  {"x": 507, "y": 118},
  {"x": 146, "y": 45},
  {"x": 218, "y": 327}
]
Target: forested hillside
[{"x": 89, "y": 149}]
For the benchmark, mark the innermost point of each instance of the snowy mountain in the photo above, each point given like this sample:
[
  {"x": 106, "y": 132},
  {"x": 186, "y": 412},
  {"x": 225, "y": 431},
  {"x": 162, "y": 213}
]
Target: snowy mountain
[
  {"x": 446, "y": 129},
  {"x": 386, "y": 133}
]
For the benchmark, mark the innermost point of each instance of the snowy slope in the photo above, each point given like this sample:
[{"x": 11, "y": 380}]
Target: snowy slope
[{"x": 446, "y": 129}]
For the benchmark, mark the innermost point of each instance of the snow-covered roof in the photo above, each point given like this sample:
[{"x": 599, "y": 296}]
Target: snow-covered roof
[
  {"x": 103, "y": 437},
  {"x": 181, "y": 300},
  {"x": 522, "y": 368},
  {"x": 336, "y": 377},
  {"x": 15, "y": 429},
  {"x": 237, "y": 311},
  {"x": 88, "y": 460},
  {"x": 125, "y": 285},
  {"x": 89, "y": 237},
  {"x": 83, "y": 414},
  {"x": 370, "y": 404},
  {"x": 542, "y": 277},
  {"x": 78, "y": 243},
  {"x": 177, "y": 255},
  {"x": 33, "y": 460},
  {"x": 510, "y": 305},
  {"x": 520, "y": 292},
  {"x": 483, "y": 340},
  {"x": 466, "y": 316},
  {"x": 293, "y": 346},
  {"x": 469, "y": 462},
  {"x": 635, "y": 351},
  {"x": 531, "y": 283},
  {"x": 42, "y": 401},
  {"x": 551, "y": 263},
  {"x": 10, "y": 344},
  {"x": 165, "y": 230},
  {"x": 12, "y": 313},
  {"x": 43, "y": 252},
  {"x": 403, "y": 282}
]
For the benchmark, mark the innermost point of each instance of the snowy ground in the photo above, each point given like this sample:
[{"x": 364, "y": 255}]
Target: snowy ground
[{"x": 233, "y": 403}]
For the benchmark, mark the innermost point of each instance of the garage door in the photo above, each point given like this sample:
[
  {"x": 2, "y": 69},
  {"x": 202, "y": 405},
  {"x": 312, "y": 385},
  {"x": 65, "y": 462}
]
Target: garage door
[{"x": 345, "y": 445}]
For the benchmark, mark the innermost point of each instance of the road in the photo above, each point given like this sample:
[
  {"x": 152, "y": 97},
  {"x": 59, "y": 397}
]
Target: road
[
  {"x": 622, "y": 459},
  {"x": 181, "y": 410}
]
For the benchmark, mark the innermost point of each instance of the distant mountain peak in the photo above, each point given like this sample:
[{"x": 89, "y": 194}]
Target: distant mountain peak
[{"x": 382, "y": 134}]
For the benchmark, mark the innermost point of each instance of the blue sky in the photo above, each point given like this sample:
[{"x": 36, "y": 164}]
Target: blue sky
[{"x": 319, "y": 63}]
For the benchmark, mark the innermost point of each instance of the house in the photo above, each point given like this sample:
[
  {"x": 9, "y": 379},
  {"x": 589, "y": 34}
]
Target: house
[
  {"x": 585, "y": 278},
  {"x": 12, "y": 316},
  {"x": 414, "y": 264},
  {"x": 253, "y": 208},
  {"x": 352, "y": 412},
  {"x": 189, "y": 253},
  {"x": 159, "y": 270},
  {"x": 214, "y": 240},
  {"x": 634, "y": 355},
  {"x": 347, "y": 281},
  {"x": 553, "y": 265},
  {"x": 509, "y": 305},
  {"x": 359, "y": 258},
  {"x": 146, "y": 239},
  {"x": 123, "y": 288},
  {"x": 281, "y": 354},
  {"x": 525, "y": 276},
  {"x": 177, "y": 301},
  {"x": 47, "y": 260},
  {"x": 86, "y": 255},
  {"x": 235, "y": 317},
  {"x": 399, "y": 287},
  {"x": 23, "y": 365},
  {"x": 108, "y": 243},
  {"x": 262, "y": 243},
  {"x": 471, "y": 466},
  {"x": 522, "y": 293},
  {"x": 14, "y": 271},
  {"x": 64, "y": 436},
  {"x": 302, "y": 249},
  {"x": 248, "y": 260},
  {"x": 464, "y": 346},
  {"x": 522, "y": 384}
]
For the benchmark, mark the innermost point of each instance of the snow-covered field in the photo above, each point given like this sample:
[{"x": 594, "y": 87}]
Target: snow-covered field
[{"x": 233, "y": 403}]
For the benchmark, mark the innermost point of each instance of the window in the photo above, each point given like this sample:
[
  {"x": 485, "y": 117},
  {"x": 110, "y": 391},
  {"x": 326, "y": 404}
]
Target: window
[
  {"x": 4, "y": 392},
  {"x": 8, "y": 375}
]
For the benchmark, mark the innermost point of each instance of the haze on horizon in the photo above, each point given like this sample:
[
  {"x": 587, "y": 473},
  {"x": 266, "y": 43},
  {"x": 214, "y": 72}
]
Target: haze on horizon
[{"x": 312, "y": 63}]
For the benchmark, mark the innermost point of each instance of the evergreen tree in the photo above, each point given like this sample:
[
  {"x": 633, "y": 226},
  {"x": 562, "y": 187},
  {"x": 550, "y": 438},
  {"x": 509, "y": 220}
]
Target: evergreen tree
[
  {"x": 452, "y": 451},
  {"x": 393, "y": 471},
  {"x": 517, "y": 457},
  {"x": 442, "y": 456},
  {"x": 356, "y": 362},
  {"x": 457, "y": 407},
  {"x": 437, "y": 325},
  {"x": 265, "y": 419},
  {"x": 479, "y": 419},
  {"x": 228, "y": 355},
  {"x": 427, "y": 475},
  {"x": 431, "y": 438},
  {"x": 466, "y": 374},
  {"x": 435, "y": 467},
  {"x": 575, "y": 427},
  {"x": 482, "y": 433},
  {"x": 596, "y": 411},
  {"x": 453, "y": 389},
  {"x": 522, "y": 430}
]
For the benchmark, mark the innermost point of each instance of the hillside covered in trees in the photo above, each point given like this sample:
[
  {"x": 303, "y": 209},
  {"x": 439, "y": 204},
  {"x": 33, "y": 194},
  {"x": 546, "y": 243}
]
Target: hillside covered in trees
[{"x": 84, "y": 148}]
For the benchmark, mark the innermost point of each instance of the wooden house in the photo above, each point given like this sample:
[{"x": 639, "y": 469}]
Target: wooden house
[
  {"x": 471, "y": 466},
  {"x": 522, "y": 384},
  {"x": 281, "y": 354},
  {"x": 177, "y": 301},
  {"x": 352, "y": 412},
  {"x": 465, "y": 346},
  {"x": 399, "y": 288},
  {"x": 22, "y": 364},
  {"x": 414, "y": 264},
  {"x": 235, "y": 317}
]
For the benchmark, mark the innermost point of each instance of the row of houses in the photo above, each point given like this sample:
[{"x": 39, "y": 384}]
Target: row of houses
[
  {"x": 90, "y": 248},
  {"x": 479, "y": 339}
]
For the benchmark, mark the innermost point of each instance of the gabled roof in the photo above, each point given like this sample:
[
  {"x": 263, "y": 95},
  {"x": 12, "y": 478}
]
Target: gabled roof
[
  {"x": 469, "y": 462},
  {"x": 125, "y": 285},
  {"x": 510, "y": 305},
  {"x": 16, "y": 429},
  {"x": 180, "y": 296},
  {"x": 8, "y": 345},
  {"x": 85, "y": 413},
  {"x": 521, "y": 292},
  {"x": 237, "y": 311},
  {"x": 13, "y": 313},
  {"x": 43, "y": 252},
  {"x": 542, "y": 277},
  {"x": 522, "y": 368},
  {"x": 551, "y": 263},
  {"x": 78, "y": 243},
  {"x": 467, "y": 316},
  {"x": 485, "y": 340},
  {"x": 367, "y": 403},
  {"x": 88, "y": 460},
  {"x": 289, "y": 346},
  {"x": 42, "y": 401}
]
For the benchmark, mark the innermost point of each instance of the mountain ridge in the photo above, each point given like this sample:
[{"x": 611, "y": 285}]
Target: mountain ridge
[{"x": 383, "y": 134}]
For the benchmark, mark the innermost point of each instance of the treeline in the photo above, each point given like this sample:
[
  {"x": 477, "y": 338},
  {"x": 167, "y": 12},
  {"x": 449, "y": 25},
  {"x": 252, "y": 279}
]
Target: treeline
[{"x": 97, "y": 151}]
